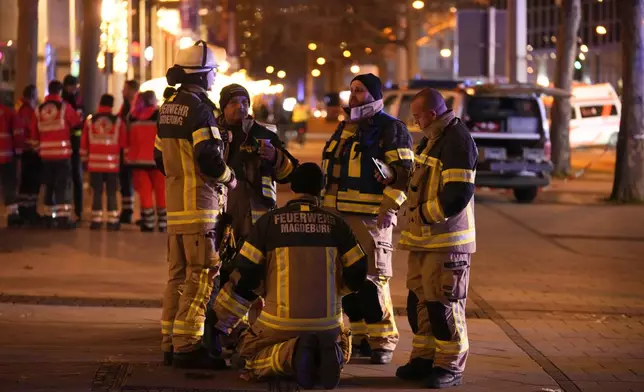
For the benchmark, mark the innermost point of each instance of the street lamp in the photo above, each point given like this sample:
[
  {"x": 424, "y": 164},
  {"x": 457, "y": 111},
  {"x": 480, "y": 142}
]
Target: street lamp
[
  {"x": 355, "y": 69},
  {"x": 418, "y": 4},
  {"x": 281, "y": 74},
  {"x": 601, "y": 30},
  {"x": 321, "y": 60},
  {"x": 346, "y": 53},
  {"x": 316, "y": 72},
  {"x": 270, "y": 69},
  {"x": 313, "y": 46}
]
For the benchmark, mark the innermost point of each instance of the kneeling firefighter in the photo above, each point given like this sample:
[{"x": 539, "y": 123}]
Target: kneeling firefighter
[
  {"x": 190, "y": 152},
  {"x": 302, "y": 260}
]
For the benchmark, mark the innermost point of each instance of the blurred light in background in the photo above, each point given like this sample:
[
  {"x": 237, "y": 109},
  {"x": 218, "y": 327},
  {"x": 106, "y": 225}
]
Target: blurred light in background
[
  {"x": 316, "y": 72},
  {"x": 148, "y": 53},
  {"x": 186, "y": 42},
  {"x": 281, "y": 74},
  {"x": 289, "y": 104},
  {"x": 355, "y": 69},
  {"x": 270, "y": 69},
  {"x": 418, "y": 4},
  {"x": 446, "y": 52}
]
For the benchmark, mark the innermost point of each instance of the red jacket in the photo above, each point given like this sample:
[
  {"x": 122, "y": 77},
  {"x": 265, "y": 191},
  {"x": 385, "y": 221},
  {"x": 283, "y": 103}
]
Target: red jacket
[
  {"x": 12, "y": 138},
  {"x": 103, "y": 138},
  {"x": 53, "y": 125},
  {"x": 142, "y": 131},
  {"x": 26, "y": 113}
]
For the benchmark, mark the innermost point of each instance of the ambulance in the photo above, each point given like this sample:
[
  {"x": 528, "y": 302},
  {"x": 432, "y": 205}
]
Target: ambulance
[{"x": 595, "y": 115}]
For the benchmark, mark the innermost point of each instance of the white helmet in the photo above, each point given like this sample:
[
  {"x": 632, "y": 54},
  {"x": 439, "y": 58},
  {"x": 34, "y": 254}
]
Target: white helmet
[{"x": 197, "y": 58}]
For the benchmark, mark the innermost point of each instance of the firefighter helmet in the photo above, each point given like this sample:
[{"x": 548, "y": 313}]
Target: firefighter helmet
[{"x": 197, "y": 58}]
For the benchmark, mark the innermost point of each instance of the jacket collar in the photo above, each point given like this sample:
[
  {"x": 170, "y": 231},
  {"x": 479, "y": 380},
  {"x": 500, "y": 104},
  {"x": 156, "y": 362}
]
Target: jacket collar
[
  {"x": 144, "y": 113},
  {"x": 305, "y": 199},
  {"x": 104, "y": 109},
  {"x": 53, "y": 97},
  {"x": 436, "y": 127}
]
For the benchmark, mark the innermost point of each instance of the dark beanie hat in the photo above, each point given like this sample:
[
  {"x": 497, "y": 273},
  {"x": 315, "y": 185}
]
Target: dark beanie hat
[
  {"x": 70, "y": 80},
  {"x": 372, "y": 83},
  {"x": 230, "y": 91},
  {"x": 307, "y": 178}
]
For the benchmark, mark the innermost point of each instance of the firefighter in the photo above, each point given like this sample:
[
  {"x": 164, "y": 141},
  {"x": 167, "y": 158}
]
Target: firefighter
[
  {"x": 258, "y": 158},
  {"x": 148, "y": 180},
  {"x": 189, "y": 150},
  {"x": 104, "y": 137},
  {"x": 301, "y": 259},
  {"x": 130, "y": 89},
  {"x": 369, "y": 207},
  {"x": 441, "y": 240},
  {"x": 53, "y": 125},
  {"x": 11, "y": 146},
  {"x": 72, "y": 96},
  {"x": 31, "y": 166}
]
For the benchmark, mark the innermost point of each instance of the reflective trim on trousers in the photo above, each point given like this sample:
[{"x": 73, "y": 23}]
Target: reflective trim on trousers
[{"x": 299, "y": 324}]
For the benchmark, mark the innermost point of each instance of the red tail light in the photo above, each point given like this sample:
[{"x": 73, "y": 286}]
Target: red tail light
[{"x": 547, "y": 150}]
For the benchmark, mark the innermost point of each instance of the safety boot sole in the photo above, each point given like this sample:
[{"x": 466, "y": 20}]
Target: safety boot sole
[{"x": 330, "y": 365}]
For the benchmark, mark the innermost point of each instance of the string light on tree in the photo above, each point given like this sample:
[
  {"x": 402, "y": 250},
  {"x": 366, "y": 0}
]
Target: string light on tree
[
  {"x": 321, "y": 60},
  {"x": 313, "y": 46},
  {"x": 281, "y": 74},
  {"x": 346, "y": 53},
  {"x": 601, "y": 30},
  {"x": 355, "y": 68},
  {"x": 368, "y": 50},
  {"x": 315, "y": 73},
  {"x": 418, "y": 4},
  {"x": 446, "y": 53},
  {"x": 270, "y": 69},
  {"x": 584, "y": 48}
]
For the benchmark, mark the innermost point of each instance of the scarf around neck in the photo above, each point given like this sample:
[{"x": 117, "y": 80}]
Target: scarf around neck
[{"x": 365, "y": 111}]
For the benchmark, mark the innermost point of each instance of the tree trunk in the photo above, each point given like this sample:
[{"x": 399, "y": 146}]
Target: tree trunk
[
  {"x": 91, "y": 84},
  {"x": 27, "y": 56},
  {"x": 628, "y": 185},
  {"x": 569, "y": 17}
]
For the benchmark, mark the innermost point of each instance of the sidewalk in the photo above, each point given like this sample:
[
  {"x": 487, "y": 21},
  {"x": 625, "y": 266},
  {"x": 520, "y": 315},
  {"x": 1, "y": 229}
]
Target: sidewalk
[{"x": 556, "y": 301}]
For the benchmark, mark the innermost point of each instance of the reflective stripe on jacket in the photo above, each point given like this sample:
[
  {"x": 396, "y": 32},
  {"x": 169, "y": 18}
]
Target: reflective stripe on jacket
[
  {"x": 450, "y": 159},
  {"x": 102, "y": 140},
  {"x": 351, "y": 186}
]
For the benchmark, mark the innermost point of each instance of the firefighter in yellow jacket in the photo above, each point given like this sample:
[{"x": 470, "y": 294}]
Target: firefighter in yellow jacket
[
  {"x": 441, "y": 240},
  {"x": 369, "y": 207},
  {"x": 190, "y": 152},
  {"x": 301, "y": 259}
]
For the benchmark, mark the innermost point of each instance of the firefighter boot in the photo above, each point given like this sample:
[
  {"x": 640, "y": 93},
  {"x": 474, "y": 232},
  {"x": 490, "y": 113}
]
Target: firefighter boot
[
  {"x": 330, "y": 363},
  {"x": 304, "y": 358},
  {"x": 162, "y": 220},
  {"x": 64, "y": 223},
  {"x": 442, "y": 378},
  {"x": 381, "y": 357},
  {"x": 415, "y": 370},
  {"x": 126, "y": 216},
  {"x": 147, "y": 220},
  {"x": 199, "y": 358},
  {"x": 167, "y": 357},
  {"x": 362, "y": 349}
]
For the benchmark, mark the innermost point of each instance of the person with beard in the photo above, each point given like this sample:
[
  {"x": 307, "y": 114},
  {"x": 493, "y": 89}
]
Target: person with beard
[
  {"x": 258, "y": 158},
  {"x": 71, "y": 95},
  {"x": 353, "y": 190},
  {"x": 440, "y": 238},
  {"x": 130, "y": 89}
]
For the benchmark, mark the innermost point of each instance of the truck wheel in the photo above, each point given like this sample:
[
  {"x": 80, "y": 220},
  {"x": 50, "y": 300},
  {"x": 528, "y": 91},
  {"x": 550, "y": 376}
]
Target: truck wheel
[{"x": 525, "y": 195}]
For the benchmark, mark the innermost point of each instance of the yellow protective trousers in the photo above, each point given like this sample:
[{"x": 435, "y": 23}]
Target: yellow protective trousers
[
  {"x": 193, "y": 263},
  {"x": 440, "y": 282}
]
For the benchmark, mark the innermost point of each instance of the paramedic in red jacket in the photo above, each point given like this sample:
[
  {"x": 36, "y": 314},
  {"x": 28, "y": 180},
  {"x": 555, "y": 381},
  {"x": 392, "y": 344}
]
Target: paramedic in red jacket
[
  {"x": 30, "y": 164},
  {"x": 53, "y": 124},
  {"x": 148, "y": 180},
  {"x": 11, "y": 145},
  {"x": 104, "y": 137}
]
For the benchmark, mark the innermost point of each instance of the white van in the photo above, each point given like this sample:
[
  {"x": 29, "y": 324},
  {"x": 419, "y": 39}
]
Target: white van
[{"x": 595, "y": 115}]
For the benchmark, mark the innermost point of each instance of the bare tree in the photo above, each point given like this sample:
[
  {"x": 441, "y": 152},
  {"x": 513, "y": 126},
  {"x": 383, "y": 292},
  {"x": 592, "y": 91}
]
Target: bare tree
[
  {"x": 569, "y": 18},
  {"x": 628, "y": 185},
  {"x": 27, "y": 56}
]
